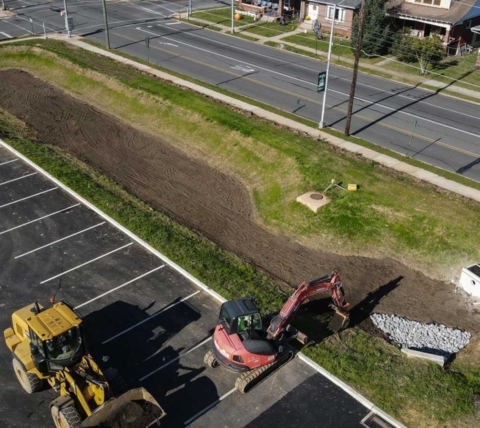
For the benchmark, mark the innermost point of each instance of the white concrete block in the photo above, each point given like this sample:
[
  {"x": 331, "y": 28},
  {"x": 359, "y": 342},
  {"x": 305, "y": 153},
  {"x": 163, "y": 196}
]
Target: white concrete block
[
  {"x": 439, "y": 359},
  {"x": 313, "y": 200}
]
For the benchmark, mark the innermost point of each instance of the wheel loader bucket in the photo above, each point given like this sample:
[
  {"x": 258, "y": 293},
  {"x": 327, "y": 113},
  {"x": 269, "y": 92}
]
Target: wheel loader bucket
[{"x": 134, "y": 409}]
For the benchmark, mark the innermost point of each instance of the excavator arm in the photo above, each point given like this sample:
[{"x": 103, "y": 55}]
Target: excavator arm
[{"x": 304, "y": 291}]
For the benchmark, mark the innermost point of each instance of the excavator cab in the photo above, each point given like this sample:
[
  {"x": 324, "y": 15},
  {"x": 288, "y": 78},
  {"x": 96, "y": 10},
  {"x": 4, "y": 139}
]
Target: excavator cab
[{"x": 241, "y": 317}]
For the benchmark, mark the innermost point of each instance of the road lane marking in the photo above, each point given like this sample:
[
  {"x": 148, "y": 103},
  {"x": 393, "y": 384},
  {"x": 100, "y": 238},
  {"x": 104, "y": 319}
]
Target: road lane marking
[
  {"x": 329, "y": 106},
  {"x": 206, "y": 409},
  {"x": 28, "y": 197},
  {"x": 10, "y": 161},
  {"x": 86, "y": 263},
  {"x": 6, "y": 35},
  {"x": 120, "y": 286},
  {"x": 175, "y": 359},
  {"x": 396, "y": 110},
  {"x": 59, "y": 240},
  {"x": 19, "y": 178},
  {"x": 38, "y": 219},
  {"x": 183, "y": 299},
  {"x": 173, "y": 23}
]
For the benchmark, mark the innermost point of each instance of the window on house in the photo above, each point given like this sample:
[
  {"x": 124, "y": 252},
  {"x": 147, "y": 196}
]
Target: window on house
[
  {"x": 429, "y": 2},
  {"x": 339, "y": 13}
]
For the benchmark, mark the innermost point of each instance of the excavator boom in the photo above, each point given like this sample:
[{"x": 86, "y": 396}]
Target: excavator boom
[{"x": 304, "y": 291}]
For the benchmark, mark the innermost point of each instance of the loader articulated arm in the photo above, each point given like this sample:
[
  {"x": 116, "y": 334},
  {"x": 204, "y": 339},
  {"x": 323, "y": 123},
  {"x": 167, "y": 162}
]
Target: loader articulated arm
[{"x": 304, "y": 291}]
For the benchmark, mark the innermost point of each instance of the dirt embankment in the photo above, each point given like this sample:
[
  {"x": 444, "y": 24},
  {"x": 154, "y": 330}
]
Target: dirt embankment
[{"x": 218, "y": 206}]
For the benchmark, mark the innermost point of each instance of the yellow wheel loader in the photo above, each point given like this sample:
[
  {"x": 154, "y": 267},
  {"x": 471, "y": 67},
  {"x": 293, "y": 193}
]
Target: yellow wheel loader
[{"x": 48, "y": 346}]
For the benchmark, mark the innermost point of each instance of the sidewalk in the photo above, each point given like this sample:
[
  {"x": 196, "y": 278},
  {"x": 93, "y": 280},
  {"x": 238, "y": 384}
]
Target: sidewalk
[{"x": 403, "y": 77}]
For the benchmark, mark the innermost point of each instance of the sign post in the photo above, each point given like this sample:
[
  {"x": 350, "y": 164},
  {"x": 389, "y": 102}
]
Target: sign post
[
  {"x": 147, "y": 45},
  {"x": 322, "y": 79}
]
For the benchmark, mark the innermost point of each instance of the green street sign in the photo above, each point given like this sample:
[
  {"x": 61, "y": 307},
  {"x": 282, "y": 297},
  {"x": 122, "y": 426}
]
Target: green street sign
[{"x": 322, "y": 79}]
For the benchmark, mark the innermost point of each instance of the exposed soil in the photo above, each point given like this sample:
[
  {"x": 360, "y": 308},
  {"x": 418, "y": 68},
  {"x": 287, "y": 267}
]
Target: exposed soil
[
  {"x": 133, "y": 415},
  {"x": 218, "y": 206}
]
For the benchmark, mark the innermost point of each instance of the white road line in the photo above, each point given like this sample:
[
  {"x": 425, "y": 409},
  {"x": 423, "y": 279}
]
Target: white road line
[
  {"x": 173, "y": 23},
  {"x": 10, "y": 161},
  {"x": 18, "y": 26},
  {"x": 19, "y": 178},
  {"x": 28, "y": 197},
  {"x": 175, "y": 359},
  {"x": 396, "y": 110},
  {"x": 150, "y": 317},
  {"x": 38, "y": 219},
  {"x": 86, "y": 263},
  {"x": 6, "y": 35},
  {"x": 59, "y": 240},
  {"x": 120, "y": 286},
  {"x": 206, "y": 409}
]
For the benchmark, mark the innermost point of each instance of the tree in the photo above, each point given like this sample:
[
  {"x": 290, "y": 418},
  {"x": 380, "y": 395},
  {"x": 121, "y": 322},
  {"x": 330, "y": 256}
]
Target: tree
[
  {"x": 425, "y": 50},
  {"x": 376, "y": 29}
]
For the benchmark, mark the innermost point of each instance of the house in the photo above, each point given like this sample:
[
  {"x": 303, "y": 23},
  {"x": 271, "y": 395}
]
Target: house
[
  {"x": 322, "y": 12},
  {"x": 452, "y": 20}
]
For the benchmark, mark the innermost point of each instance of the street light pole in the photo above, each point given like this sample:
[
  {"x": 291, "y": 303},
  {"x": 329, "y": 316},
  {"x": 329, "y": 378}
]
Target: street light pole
[
  {"x": 105, "y": 19},
  {"x": 321, "y": 124},
  {"x": 233, "y": 23},
  {"x": 3, "y": 5},
  {"x": 66, "y": 19}
]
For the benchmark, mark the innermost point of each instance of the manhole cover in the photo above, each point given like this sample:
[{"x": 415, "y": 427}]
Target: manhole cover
[{"x": 316, "y": 196}]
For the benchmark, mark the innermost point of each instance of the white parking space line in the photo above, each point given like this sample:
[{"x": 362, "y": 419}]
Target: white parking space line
[
  {"x": 175, "y": 359},
  {"x": 38, "y": 219},
  {"x": 86, "y": 263},
  {"x": 206, "y": 409},
  {"x": 150, "y": 317},
  {"x": 19, "y": 178},
  {"x": 28, "y": 197},
  {"x": 120, "y": 286},
  {"x": 6, "y": 35},
  {"x": 59, "y": 240},
  {"x": 10, "y": 161}
]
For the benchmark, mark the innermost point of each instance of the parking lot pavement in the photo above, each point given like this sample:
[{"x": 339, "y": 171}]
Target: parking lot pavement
[{"x": 141, "y": 316}]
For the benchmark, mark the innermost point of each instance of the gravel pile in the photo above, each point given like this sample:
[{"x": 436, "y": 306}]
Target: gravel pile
[{"x": 433, "y": 338}]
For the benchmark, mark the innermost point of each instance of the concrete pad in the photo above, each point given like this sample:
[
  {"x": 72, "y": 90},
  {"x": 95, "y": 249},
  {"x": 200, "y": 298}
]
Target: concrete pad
[
  {"x": 367, "y": 153},
  {"x": 439, "y": 359},
  {"x": 313, "y": 200},
  {"x": 406, "y": 168}
]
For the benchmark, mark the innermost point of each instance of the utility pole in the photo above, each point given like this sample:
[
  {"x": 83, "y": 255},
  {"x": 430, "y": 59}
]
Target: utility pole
[
  {"x": 3, "y": 5},
  {"x": 355, "y": 68},
  {"x": 105, "y": 19},
  {"x": 330, "y": 46},
  {"x": 66, "y": 19},
  {"x": 233, "y": 23}
]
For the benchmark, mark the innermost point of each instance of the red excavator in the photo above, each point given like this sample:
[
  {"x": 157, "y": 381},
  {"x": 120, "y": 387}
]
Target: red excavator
[{"x": 242, "y": 344}]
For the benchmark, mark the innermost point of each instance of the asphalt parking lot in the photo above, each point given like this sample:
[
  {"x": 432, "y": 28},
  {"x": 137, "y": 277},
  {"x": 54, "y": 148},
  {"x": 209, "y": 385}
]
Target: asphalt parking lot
[{"x": 141, "y": 316}]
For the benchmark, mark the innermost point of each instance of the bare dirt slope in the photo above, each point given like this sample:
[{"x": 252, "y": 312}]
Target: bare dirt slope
[{"x": 218, "y": 206}]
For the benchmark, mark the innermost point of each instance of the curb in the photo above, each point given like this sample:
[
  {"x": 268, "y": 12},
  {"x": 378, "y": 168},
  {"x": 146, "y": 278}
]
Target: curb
[
  {"x": 349, "y": 390},
  {"x": 385, "y": 160}
]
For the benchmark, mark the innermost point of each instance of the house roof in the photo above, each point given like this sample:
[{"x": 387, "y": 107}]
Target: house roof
[
  {"x": 457, "y": 13},
  {"x": 346, "y": 4}
]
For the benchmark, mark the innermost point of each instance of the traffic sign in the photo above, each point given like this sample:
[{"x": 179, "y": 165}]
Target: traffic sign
[{"x": 322, "y": 79}]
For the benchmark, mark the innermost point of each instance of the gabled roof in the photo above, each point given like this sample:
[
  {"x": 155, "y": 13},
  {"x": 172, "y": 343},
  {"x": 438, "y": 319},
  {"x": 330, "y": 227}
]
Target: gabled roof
[{"x": 459, "y": 11}]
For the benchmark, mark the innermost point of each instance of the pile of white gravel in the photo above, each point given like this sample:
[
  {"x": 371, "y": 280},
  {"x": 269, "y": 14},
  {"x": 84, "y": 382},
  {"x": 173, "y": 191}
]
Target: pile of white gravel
[{"x": 433, "y": 338}]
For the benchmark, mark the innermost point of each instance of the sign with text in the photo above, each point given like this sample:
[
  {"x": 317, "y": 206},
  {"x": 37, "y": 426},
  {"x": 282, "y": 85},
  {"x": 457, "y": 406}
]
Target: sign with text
[{"x": 322, "y": 79}]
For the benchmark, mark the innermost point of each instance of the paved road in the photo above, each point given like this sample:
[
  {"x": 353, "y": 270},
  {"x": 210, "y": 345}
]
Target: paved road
[
  {"x": 141, "y": 316},
  {"x": 446, "y": 130}
]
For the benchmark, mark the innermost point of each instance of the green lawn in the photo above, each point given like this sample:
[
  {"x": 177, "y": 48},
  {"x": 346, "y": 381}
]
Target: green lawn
[
  {"x": 387, "y": 214},
  {"x": 222, "y": 16},
  {"x": 270, "y": 29},
  {"x": 309, "y": 40}
]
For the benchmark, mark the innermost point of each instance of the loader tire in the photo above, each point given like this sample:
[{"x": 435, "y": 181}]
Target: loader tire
[
  {"x": 210, "y": 360},
  {"x": 30, "y": 381},
  {"x": 68, "y": 417}
]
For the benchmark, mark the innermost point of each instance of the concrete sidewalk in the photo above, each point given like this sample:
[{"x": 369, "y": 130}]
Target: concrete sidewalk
[
  {"x": 396, "y": 75},
  {"x": 382, "y": 159}
]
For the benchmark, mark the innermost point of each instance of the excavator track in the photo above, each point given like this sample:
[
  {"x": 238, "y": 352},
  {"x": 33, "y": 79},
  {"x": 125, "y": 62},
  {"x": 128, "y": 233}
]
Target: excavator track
[{"x": 248, "y": 380}]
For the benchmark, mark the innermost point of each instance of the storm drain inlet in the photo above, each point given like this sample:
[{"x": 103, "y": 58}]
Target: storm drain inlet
[{"x": 374, "y": 421}]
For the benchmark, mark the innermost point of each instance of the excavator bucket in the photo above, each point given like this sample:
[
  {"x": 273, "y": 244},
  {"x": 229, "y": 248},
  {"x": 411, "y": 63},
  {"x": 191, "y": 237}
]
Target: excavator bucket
[
  {"x": 339, "y": 321},
  {"x": 134, "y": 409}
]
